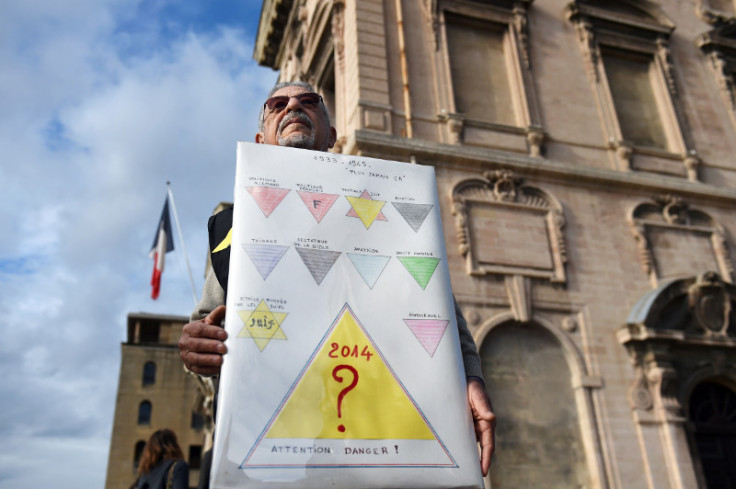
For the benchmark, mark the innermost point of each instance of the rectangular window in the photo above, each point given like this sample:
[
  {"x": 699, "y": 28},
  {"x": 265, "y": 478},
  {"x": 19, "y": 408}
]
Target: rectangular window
[
  {"x": 197, "y": 421},
  {"x": 629, "y": 77},
  {"x": 149, "y": 331},
  {"x": 195, "y": 457},
  {"x": 480, "y": 76}
]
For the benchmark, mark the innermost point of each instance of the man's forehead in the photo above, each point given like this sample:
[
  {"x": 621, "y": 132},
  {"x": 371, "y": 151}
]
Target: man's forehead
[{"x": 290, "y": 91}]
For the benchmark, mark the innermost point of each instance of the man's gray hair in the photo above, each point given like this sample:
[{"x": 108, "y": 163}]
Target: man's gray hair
[{"x": 296, "y": 83}]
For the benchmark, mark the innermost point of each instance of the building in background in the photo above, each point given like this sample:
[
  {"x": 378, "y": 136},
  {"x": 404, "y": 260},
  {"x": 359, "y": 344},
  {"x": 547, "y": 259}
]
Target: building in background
[
  {"x": 154, "y": 392},
  {"x": 585, "y": 159}
]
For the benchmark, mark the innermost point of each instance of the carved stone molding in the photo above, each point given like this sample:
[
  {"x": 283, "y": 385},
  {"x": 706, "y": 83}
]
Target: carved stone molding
[
  {"x": 431, "y": 13},
  {"x": 570, "y": 324},
  {"x": 709, "y": 299},
  {"x": 672, "y": 334},
  {"x": 692, "y": 163},
  {"x": 474, "y": 317},
  {"x": 455, "y": 124},
  {"x": 507, "y": 228},
  {"x": 711, "y": 15},
  {"x": 656, "y": 385},
  {"x": 662, "y": 378},
  {"x": 535, "y": 138},
  {"x": 519, "y": 291},
  {"x": 272, "y": 31},
  {"x": 719, "y": 45},
  {"x": 725, "y": 78},
  {"x": 584, "y": 29},
  {"x": 665, "y": 58},
  {"x": 338, "y": 33},
  {"x": 624, "y": 150},
  {"x": 521, "y": 26},
  {"x": 670, "y": 219},
  {"x": 640, "y": 394}
]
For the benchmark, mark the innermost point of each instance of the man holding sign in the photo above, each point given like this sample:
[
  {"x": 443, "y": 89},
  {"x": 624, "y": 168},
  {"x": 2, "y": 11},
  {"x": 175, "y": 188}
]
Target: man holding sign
[{"x": 295, "y": 116}]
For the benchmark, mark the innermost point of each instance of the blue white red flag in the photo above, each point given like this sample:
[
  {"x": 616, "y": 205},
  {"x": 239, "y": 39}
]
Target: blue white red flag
[{"x": 163, "y": 242}]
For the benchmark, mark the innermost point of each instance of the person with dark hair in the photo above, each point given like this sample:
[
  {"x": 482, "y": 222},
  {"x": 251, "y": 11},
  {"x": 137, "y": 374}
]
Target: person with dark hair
[{"x": 162, "y": 464}]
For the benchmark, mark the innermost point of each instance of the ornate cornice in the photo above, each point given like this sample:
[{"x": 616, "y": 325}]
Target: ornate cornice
[
  {"x": 472, "y": 158},
  {"x": 274, "y": 19}
]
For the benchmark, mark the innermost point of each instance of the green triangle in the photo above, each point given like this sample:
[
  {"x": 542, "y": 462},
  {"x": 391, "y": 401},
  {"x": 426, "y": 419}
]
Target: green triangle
[{"x": 420, "y": 267}]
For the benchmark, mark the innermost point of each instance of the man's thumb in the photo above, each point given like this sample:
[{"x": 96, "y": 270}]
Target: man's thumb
[{"x": 216, "y": 316}]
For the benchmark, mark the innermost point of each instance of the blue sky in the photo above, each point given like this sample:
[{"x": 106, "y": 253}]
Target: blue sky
[{"x": 103, "y": 101}]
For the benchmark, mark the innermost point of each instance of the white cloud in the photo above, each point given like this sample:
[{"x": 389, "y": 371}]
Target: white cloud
[{"x": 90, "y": 134}]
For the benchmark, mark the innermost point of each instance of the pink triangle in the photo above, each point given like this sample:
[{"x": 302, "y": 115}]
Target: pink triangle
[
  {"x": 317, "y": 203},
  {"x": 429, "y": 332},
  {"x": 267, "y": 198},
  {"x": 366, "y": 195}
]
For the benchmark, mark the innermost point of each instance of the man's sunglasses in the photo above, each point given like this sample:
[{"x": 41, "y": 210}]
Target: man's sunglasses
[{"x": 308, "y": 100}]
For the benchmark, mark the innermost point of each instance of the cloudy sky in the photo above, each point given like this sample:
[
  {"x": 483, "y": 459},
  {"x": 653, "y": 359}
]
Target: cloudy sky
[{"x": 102, "y": 102}]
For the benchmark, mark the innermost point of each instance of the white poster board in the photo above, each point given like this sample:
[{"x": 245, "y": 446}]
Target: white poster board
[{"x": 343, "y": 366}]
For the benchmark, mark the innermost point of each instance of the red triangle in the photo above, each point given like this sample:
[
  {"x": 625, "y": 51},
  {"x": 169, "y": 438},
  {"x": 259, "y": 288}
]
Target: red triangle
[
  {"x": 267, "y": 198},
  {"x": 317, "y": 203}
]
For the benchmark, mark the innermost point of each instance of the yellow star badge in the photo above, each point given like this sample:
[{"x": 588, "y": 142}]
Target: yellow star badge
[{"x": 262, "y": 325}]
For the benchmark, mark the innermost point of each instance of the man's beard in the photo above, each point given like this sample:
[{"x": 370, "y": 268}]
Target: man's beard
[{"x": 297, "y": 139}]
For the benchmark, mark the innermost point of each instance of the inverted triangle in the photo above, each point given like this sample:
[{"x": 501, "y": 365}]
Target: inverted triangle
[
  {"x": 317, "y": 203},
  {"x": 420, "y": 267},
  {"x": 264, "y": 256},
  {"x": 369, "y": 267},
  {"x": 429, "y": 332},
  {"x": 318, "y": 262},
  {"x": 413, "y": 214},
  {"x": 267, "y": 198}
]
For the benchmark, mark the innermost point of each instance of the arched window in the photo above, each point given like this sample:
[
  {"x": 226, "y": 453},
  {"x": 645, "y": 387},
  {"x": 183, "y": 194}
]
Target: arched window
[
  {"x": 713, "y": 422},
  {"x": 539, "y": 438},
  {"x": 149, "y": 373},
  {"x": 137, "y": 453},
  {"x": 144, "y": 413}
]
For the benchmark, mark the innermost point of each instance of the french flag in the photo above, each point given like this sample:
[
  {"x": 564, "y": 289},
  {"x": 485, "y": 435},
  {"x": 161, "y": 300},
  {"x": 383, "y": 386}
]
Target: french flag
[{"x": 163, "y": 242}]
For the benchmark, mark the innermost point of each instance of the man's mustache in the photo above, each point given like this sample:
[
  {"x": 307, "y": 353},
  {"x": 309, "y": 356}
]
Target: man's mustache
[{"x": 296, "y": 116}]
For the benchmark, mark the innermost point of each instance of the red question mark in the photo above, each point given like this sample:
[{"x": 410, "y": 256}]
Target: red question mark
[{"x": 341, "y": 428}]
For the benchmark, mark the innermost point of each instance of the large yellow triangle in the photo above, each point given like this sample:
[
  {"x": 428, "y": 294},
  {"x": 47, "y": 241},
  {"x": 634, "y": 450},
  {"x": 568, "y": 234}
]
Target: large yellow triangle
[
  {"x": 376, "y": 407},
  {"x": 262, "y": 325},
  {"x": 367, "y": 209}
]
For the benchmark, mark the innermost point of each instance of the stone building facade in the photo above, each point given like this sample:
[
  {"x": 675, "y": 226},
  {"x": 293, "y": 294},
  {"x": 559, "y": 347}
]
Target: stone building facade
[
  {"x": 585, "y": 153},
  {"x": 154, "y": 392}
]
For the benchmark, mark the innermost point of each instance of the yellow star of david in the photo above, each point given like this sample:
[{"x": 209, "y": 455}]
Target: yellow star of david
[{"x": 262, "y": 325}]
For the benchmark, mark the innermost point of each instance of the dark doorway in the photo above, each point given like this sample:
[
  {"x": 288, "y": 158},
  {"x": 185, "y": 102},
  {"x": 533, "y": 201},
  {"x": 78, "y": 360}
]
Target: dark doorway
[{"x": 713, "y": 420}]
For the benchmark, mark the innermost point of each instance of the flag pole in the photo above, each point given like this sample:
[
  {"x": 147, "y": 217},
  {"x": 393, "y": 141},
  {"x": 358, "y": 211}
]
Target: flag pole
[{"x": 183, "y": 246}]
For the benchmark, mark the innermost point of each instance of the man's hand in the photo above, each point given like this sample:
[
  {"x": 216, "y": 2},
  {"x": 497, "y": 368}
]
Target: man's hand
[
  {"x": 484, "y": 421},
  {"x": 201, "y": 344}
]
